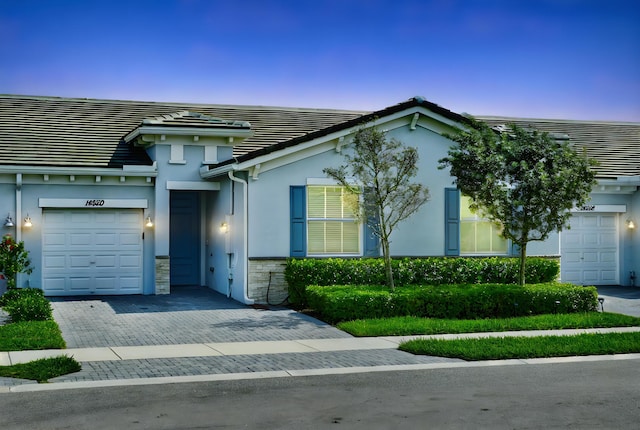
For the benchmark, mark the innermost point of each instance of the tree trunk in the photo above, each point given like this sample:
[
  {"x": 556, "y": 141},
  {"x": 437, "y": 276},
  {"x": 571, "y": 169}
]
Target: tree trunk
[
  {"x": 387, "y": 263},
  {"x": 523, "y": 263}
]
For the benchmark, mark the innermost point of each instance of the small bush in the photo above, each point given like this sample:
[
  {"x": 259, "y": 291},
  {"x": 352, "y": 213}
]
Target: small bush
[
  {"x": 300, "y": 273},
  {"x": 470, "y": 301},
  {"x": 16, "y": 293},
  {"x": 27, "y": 304}
]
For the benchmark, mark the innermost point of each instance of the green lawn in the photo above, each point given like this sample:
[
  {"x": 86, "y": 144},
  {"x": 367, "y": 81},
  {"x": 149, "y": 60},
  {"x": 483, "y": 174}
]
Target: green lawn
[
  {"x": 41, "y": 370},
  {"x": 526, "y": 347},
  {"x": 407, "y": 326},
  {"x": 29, "y": 335}
]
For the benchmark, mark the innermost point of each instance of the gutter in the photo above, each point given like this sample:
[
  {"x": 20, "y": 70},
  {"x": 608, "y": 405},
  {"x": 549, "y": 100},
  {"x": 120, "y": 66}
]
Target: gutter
[{"x": 245, "y": 205}]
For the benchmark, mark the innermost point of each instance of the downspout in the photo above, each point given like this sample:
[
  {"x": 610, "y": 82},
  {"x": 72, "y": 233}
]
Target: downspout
[
  {"x": 245, "y": 204},
  {"x": 18, "y": 207}
]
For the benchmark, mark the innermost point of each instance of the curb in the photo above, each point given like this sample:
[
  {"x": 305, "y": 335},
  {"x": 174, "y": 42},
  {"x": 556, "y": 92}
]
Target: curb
[{"x": 306, "y": 372}]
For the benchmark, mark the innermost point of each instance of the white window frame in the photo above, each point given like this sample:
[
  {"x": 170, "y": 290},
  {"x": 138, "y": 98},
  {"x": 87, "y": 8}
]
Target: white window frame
[
  {"x": 325, "y": 183},
  {"x": 477, "y": 220}
]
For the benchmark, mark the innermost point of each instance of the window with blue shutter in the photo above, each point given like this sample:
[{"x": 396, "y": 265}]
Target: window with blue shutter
[
  {"x": 451, "y": 221},
  {"x": 323, "y": 224},
  {"x": 298, "y": 212}
]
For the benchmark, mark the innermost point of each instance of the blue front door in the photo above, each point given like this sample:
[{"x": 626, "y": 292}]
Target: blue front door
[{"x": 184, "y": 238}]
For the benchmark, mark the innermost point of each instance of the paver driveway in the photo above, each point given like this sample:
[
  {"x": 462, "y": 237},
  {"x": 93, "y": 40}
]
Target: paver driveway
[{"x": 187, "y": 315}]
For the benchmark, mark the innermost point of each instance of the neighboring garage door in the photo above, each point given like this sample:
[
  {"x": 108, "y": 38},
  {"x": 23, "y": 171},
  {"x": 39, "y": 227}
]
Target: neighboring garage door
[
  {"x": 590, "y": 249},
  {"x": 92, "y": 251}
]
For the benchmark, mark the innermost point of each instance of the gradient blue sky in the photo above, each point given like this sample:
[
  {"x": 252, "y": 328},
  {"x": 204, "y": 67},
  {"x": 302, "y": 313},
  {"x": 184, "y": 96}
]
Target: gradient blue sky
[{"x": 572, "y": 59}]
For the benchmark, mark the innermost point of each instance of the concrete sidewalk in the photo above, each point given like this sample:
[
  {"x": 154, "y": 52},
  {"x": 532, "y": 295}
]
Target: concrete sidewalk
[
  {"x": 153, "y": 364},
  {"x": 197, "y": 335}
]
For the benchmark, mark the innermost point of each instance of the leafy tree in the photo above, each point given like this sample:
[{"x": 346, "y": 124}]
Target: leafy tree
[
  {"x": 384, "y": 194},
  {"x": 14, "y": 259},
  {"x": 523, "y": 180}
]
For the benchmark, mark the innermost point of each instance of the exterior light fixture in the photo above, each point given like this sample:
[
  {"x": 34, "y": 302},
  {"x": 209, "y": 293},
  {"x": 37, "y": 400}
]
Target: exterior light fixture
[
  {"x": 148, "y": 222},
  {"x": 9, "y": 221},
  {"x": 224, "y": 227},
  {"x": 27, "y": 222},
  {"x": 630, "y": 224}
]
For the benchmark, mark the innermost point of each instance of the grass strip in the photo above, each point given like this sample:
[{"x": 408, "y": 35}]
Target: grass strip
[
  {"x": 29, "y": 335},
  {"x": 407, "y": 326},
  {"x": 43, "y": 369},
  {"x": 500, "y": 348}
]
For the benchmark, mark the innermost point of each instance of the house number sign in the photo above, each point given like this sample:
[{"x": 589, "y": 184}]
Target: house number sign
[{"x": 94, "y": 203}]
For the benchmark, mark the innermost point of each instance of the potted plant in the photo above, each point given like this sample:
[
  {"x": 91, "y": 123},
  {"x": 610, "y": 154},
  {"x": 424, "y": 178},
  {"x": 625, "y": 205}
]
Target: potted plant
[{"x": 14, "y": 259}]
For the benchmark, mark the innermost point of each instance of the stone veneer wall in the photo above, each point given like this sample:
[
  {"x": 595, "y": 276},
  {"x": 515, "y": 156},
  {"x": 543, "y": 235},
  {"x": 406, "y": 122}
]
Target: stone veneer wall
[
  {"x": 267, "y": 274},
  {"x": 163, "y": 278}
]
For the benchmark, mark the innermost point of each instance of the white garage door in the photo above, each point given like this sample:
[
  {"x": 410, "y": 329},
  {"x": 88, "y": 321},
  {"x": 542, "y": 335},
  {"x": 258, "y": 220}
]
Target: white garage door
[
  {"x": 92, "y": 251},
  {"x": 590, "y": 250}
]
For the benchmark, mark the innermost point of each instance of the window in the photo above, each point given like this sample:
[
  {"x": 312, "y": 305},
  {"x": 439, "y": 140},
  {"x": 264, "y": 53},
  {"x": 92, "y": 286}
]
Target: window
[
  {"x": 332, "y": 227},
  {"x": 477, "y": 235}
]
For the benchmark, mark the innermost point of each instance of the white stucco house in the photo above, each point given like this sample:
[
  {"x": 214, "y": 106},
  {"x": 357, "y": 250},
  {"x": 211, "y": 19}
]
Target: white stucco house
[{"x": 126, "y": 197}]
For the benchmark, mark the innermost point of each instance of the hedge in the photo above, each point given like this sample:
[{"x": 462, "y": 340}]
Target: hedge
[
  {"x": 26, "y": 304},
  {"x": 465, "y": 301},
  {"x": 300, "y": 273}
]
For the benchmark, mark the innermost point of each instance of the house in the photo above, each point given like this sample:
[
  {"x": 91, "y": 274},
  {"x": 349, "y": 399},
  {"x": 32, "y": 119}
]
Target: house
[{"x": 127, "y": 197}]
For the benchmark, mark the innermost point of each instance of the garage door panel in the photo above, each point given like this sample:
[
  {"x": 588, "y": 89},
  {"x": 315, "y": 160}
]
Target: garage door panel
[
  {"x": 130, "y": 261},
  {"x": 54, "y": 284},
  {"x": 589, "y": 221},
  {"x": 81, "y": 217},
  {"x": 608, "y": 257},
  {"x": 131, "y": 283},
  {"x": 609, "y": 221},
  {"x": 109, "y": 239},
  {"x": 590, "y": 239},
  {"x": 92, "y": 251},
  {"x": 53, "y": 239},
  {"x": 130, "y": 239},
  {"x": 108, "y": 261},
  {"x": 610, "y": 276},
  {"x": 54, "y": 262},
  {"x": 106, "y": 283},
  {"x": 80, "y": 239},
  {"x": 79, "y": 284},
  {"x": 608, "y": 239},
  {"x": 79, "y": 261}
]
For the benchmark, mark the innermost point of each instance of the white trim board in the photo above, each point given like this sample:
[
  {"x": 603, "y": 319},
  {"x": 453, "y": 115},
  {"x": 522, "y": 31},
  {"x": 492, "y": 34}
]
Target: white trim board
[{"x": 94, "y": 203}]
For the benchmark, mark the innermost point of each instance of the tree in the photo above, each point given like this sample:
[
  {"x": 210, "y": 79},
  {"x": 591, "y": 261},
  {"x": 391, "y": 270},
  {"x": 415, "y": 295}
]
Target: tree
[
  {"x": 14, "y": 259},
  {"x": 523, "y": 180},
  {"x": 384, "y": 195}
]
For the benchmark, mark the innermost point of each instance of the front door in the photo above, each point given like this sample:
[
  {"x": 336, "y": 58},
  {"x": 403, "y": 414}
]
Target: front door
[{"x": 184, "y": 238}]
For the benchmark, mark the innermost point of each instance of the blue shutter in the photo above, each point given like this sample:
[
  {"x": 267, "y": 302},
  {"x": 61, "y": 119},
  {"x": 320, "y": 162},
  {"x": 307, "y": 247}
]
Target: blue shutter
[
  {"x": 451, "y": 221},
  {"x": 371, "y": 241},
  {"x": 298, "y": 217}
]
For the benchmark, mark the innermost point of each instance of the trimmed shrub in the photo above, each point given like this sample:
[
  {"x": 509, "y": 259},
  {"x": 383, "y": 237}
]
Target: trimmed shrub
[
  {"x": 26, "y": 304},
  {"x": 466, "y": 301},
  {"x": 300, "y": 273}
]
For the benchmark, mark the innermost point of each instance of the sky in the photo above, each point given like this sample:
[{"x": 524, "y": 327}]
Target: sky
[{"x": 568, "y": 59}]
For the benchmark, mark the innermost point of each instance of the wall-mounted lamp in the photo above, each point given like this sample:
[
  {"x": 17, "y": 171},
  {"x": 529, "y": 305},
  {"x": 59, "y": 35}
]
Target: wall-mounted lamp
[
  {"x": 27, "y": 222},
  {"x": 630, "y": 224},
  {"x": 9, "y": 221},
  {"x": 148, "y": 222},
  {"x": 224, "y": 227}
]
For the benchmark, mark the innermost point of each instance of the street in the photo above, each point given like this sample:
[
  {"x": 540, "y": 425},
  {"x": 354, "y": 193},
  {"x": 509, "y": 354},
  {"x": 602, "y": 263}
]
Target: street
[{"x": 602, "y": 394}]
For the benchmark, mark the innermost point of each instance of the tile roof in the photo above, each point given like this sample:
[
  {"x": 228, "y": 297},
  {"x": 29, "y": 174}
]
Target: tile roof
[
  {"x": 52, "y": 131},
  {"x": 616, "y": 145}
]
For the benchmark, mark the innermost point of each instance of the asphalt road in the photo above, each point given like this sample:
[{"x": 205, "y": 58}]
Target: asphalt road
[{"x": 584, "y": 395}]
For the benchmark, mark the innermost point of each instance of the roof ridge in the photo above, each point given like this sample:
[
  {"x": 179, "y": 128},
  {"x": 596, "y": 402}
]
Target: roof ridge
[
  {"x": 556, "y": 120},
  {"x": 185, "y": 103}
]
